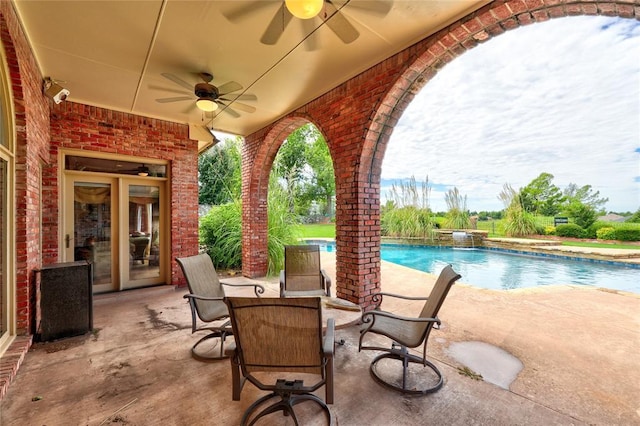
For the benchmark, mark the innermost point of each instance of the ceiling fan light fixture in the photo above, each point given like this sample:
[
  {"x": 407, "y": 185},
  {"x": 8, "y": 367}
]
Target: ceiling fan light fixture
[
  {"x": 304, "y": 9},
  {"x": 206, "y": 104},
  {"x": 143, "y": 171}
]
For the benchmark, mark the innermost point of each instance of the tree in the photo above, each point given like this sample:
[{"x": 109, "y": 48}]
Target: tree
[
  {"x": 323, "y": 183},
  {"x": 219, "y": 173},
  {"x": 582, "y": 204},
  {"x": 305, "y": 168},
  {"x": 584, "y": 195},
  {"x": 541, "y": 197},
  {"x": 635, "y": 218},
  {"x": 290, "y": 162}
]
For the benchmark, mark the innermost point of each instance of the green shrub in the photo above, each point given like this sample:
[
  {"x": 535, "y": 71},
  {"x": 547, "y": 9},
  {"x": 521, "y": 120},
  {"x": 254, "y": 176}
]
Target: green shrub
[
  {"x": 635, "y": 218},
  {"x": 627, "y": 233},
  {"x": 582, "y": 214},
  {"x": 519, "y": 223},
  {"x": 407, "y": 222},
  {"x": 221, "y": 233},
  {"x": 569, "y": 230},
  {"x": 592, "y": 230},
  {"x": 606, "y": 233},
  {"x": 283, "y": 229},
  {"x": 457, "y": 214}
]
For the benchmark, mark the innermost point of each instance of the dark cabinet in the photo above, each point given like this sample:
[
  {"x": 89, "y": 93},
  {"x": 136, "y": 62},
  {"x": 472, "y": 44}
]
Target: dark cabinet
[{"x": 65, "y": 307}]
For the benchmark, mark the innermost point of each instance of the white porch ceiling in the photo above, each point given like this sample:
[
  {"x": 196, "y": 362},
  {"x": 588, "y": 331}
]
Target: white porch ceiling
[{"x": 112, "y": 54}]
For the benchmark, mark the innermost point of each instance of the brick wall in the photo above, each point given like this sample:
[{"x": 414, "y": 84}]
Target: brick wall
[
  {"x": 357, "y": 119},
  {"x": 31, "y": 121},
  {"x": 88, "y": 128}
]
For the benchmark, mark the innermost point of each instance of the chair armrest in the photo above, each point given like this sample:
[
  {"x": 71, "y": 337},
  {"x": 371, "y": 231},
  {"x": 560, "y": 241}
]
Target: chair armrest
[
  {"x": 257, "y": 288},
  {"x": 327, "y": 282},
  {"x": 329, "y": 342},
  {"x": 195, "y": 296},
  {"x": 281, "y": 283},
  {"x": 370, "y": 317},
  {"x": 378, "y": 297}
]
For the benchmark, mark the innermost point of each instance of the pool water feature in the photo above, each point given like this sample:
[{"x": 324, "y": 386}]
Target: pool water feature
[{"x": 503, "y": 270}]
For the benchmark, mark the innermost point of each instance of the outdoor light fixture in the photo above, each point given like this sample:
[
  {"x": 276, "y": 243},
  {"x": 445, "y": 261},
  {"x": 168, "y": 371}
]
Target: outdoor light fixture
[
  {"x": 304, "y": 9},
  {"x": 206, "y": 104},
  {"x": 143, "y": 171},
  {"x": 55, "y": 91}
]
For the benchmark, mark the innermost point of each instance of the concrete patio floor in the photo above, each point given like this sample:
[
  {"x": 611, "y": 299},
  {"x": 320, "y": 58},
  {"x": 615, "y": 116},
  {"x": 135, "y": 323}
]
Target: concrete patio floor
[{"x": 578, "y": 348}]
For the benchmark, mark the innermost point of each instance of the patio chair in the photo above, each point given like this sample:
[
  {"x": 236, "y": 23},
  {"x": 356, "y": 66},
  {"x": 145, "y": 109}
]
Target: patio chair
[
  {"x": 302, "y": 274},
  {"x": 282, "y": 338},
  {"x": 407, "y": 332},
  {"x": 208, "y": 310}
]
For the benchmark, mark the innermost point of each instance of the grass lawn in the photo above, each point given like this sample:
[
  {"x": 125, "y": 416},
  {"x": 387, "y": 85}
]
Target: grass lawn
[
  {"x": 318, "y": 230},
  {"x": 601, "y": 245},
  {"x": 329, "y": 231}
]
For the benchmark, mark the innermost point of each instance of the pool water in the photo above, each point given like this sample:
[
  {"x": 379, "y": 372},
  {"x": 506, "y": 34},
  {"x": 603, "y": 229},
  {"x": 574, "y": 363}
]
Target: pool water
[{"x": 501, "y": 270}]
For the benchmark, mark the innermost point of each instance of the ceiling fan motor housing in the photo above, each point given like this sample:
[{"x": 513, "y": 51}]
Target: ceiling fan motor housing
[{"x": 206, "y": 90}]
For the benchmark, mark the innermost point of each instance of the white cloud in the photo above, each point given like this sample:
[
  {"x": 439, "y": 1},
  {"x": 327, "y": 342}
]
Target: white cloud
[{"x": 561, "y": 97}]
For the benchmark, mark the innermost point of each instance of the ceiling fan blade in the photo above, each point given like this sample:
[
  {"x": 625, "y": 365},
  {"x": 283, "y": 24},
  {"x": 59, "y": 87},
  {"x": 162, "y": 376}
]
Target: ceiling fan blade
[
  {"x": 226, "y": 108},
  {"x": 246, "y": 97},
  {"x": 310, "y": 43},
  {"x": 190, "y": 108},
  {"x": 340, "y": 25},
  {"x": 378, "y": 7},
  {"x": 229, "y": 87},
  {"x": 277, "y": 25},
  {"x": 177, "y": 80},
  {"x": 174, "y": 99},
  {"x": 249, "y": 8},
  {"x": 241, "y": 106},
  {"x": 164, "y": 89}
]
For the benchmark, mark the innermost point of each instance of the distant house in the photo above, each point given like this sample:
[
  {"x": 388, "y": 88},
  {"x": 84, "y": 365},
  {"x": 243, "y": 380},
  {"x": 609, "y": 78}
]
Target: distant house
[{"x": 611, "y": 217}]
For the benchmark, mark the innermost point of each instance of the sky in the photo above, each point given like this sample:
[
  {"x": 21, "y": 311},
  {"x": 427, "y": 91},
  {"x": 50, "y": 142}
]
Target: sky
[{"x": 561, "y": 97}]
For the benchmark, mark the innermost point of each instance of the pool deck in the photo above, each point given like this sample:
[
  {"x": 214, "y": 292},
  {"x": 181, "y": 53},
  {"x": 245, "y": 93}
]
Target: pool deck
[{"x": 577, "y": 346}]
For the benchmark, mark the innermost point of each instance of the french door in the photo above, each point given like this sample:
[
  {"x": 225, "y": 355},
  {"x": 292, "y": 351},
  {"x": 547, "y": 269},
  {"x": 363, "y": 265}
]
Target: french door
[{"x": 117, "y": 224}]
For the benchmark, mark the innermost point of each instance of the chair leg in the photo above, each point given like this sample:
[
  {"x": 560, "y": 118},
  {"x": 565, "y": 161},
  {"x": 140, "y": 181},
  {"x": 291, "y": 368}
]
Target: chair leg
[
  {"x": 285, "y": 403},
  {"x": 406, "y": 359},
  {"x": 236, "y": 380},
  {"x": 222, "y": 335}
]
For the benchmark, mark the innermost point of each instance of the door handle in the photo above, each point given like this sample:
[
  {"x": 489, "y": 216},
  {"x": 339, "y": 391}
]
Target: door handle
[{"x": 66, "y": 240}]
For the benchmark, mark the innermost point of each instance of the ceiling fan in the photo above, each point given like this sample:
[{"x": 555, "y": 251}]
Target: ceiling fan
[
  {"x": 208, "y": 98},
  {"x": 329, "y": 11}
]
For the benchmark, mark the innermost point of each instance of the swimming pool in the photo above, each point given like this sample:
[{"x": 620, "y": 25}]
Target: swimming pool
[{"x": 502, "y": 270}]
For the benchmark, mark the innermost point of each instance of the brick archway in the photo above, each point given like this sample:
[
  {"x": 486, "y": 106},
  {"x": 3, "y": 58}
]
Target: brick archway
[
  {"x": 258, "y": 153},
  {"x": 358, "y": 118}
]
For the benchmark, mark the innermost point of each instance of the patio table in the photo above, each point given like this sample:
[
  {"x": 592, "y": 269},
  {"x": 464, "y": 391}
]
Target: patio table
[{"x": 344, "y": 312}]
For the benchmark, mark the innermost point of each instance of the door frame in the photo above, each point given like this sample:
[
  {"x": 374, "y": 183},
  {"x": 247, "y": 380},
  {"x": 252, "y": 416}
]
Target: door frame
[{"x": 119, "y": 213}]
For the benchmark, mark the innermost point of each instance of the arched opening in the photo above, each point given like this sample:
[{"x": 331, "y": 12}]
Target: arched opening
[
  {"x": 496, "y": 116},
  {"x": 443, "y": 47},
  {"x": 292, "y": 176}
]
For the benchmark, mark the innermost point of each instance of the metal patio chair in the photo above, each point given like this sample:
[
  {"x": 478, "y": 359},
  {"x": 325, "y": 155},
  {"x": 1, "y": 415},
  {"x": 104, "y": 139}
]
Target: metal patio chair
[
  {"x": 406, "y": 332},
  {"x": 282, "y": 338},
  {"x": 302, "y": 274},
  {"x": 206, "y": 299}
]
